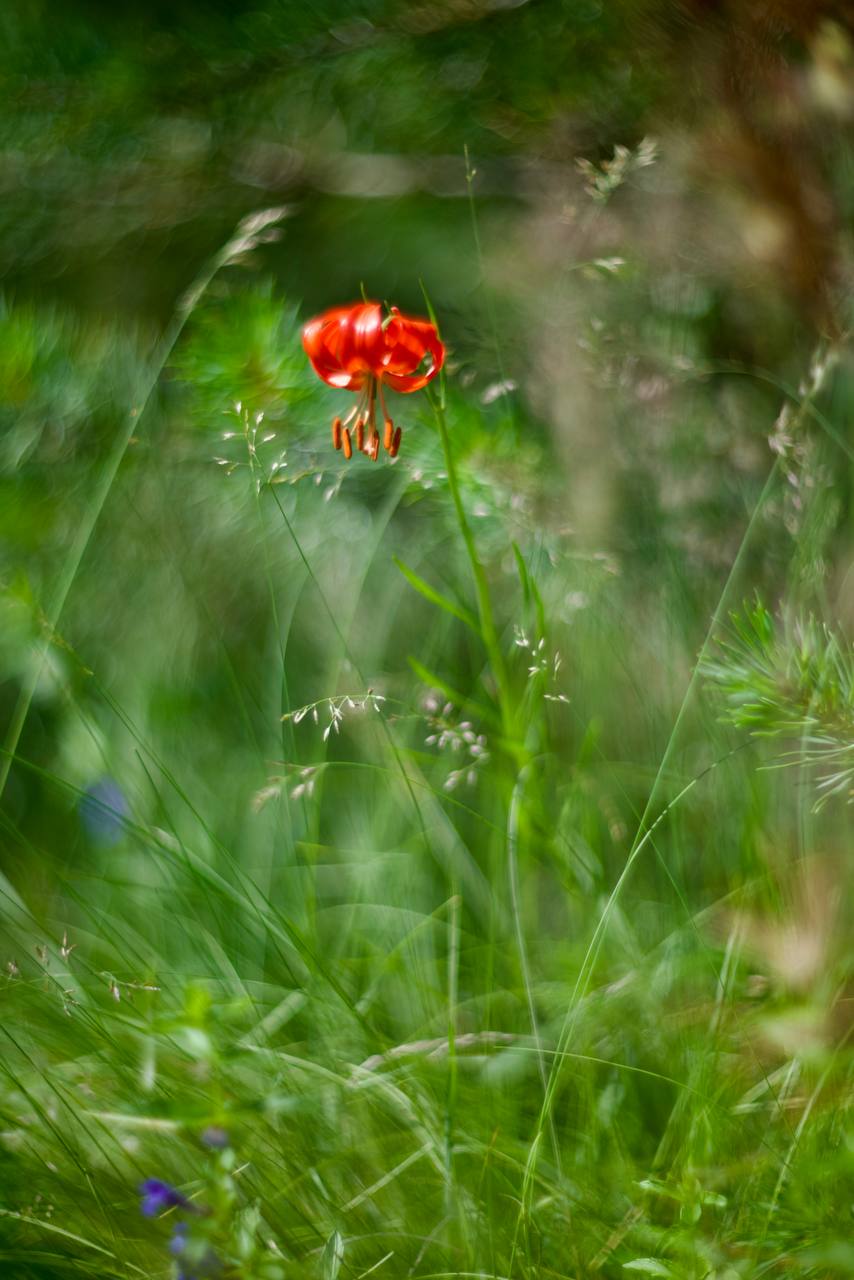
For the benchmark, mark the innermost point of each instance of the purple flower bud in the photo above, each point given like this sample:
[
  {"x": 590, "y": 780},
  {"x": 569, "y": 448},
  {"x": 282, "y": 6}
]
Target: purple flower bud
[{"x": 157, "y": 1196}]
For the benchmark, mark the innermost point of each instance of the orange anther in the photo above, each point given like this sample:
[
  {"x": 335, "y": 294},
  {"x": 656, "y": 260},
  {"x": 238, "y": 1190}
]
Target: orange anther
[
  {"x": 336, "y": 433},
  {"x": 375, "y": 447},
  {"x": 348, "y": 448},
  {"x": 389, "y": 434}
]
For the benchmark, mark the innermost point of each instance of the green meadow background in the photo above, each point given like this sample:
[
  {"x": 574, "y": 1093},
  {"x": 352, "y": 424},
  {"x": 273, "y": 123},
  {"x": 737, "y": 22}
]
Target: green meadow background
[{"x": 442, "y": 867}]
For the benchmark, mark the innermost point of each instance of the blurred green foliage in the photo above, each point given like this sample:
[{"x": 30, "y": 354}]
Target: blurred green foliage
[{"x": 522, "y": 968}]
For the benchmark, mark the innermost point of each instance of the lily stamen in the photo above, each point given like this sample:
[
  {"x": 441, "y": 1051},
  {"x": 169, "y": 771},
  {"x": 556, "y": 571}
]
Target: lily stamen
[{"x": 356, "y": 411}]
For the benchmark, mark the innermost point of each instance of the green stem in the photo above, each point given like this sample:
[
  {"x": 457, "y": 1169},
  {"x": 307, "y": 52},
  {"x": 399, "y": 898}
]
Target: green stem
[{"x": 488, "y": 630}]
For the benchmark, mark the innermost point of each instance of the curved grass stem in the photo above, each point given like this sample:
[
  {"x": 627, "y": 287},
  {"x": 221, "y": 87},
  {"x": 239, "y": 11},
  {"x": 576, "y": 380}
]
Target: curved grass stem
[{"x": 243, "y": 240}]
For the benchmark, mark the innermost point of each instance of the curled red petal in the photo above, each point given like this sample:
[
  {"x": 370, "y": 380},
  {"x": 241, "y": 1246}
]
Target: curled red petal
[
  {"x": 365, "y": 326},
  {"x": 409, "y": 341},
  {"x": 334, "y": 340},
  {"x": 347, "y": 345},
  {"x": 406, "y": 382}
]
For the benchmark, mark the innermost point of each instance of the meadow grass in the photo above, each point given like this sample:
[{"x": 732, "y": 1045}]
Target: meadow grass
[{"x": 382, "y": 874}]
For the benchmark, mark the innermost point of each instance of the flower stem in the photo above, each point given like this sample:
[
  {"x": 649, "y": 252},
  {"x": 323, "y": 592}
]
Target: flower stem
[{"x": 488, "y": 630}]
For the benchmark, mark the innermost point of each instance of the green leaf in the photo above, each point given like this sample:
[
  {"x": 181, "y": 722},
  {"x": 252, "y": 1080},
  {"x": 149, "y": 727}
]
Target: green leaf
[
  {"x": 649, "y": 1266},
  {"x": 658, "y": 1189},
  {"x": 530, "y": 590},
  {"x": 332, "y": 1256},
  {"x": 435, "y": 597},
  {"x": 248, "y": 1221}
]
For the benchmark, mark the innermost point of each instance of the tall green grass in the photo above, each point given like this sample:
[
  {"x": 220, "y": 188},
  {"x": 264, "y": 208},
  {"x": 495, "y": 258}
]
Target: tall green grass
[{"x": 428, "y": 871}]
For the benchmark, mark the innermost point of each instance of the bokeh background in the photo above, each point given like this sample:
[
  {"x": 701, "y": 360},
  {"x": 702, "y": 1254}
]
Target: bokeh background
[{"x": 634, "y": 222}]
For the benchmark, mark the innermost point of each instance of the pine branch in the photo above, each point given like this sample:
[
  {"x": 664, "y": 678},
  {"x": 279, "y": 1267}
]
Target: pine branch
[{"x": 791, "y": 679}]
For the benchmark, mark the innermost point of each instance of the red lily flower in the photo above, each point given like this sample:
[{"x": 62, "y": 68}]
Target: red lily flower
[{"x": 358, "y": 348}]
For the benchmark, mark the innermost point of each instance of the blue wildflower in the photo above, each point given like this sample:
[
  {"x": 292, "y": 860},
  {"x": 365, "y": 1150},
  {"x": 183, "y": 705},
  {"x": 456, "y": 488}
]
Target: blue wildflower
[
  {"x": 157, "y": 1196},
  {"x": 198, "y": 1260},
  {"x": 215, "y": 1137},
  {"x": 103, "y": 809},
  {"x": 178, "y": 1243}
]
